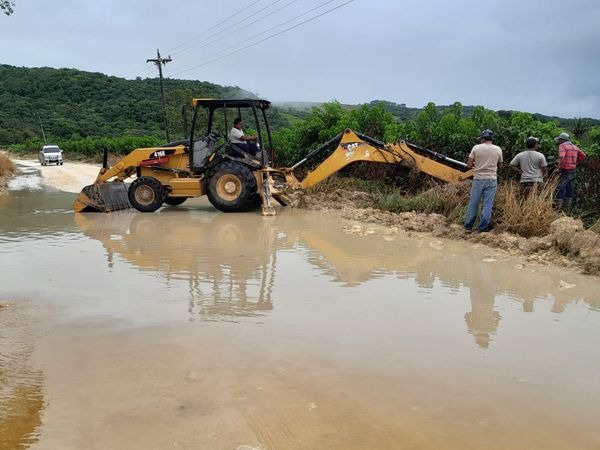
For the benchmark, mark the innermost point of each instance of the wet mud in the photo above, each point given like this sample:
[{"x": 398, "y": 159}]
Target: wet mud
[{"x": 190, "y": 328}]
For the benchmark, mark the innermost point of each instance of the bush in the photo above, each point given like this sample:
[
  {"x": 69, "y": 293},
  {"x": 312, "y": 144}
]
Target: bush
[
  {"x": 7, "y": 166},
  {"x": 529, "y": 216},
  {"x": 447, "y": 199}
]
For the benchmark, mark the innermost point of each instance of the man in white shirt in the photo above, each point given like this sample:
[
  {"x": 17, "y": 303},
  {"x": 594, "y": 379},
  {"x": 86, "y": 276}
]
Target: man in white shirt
[
  {"x": 485, "y": 159},
  {"x": 241, "y": 140}
]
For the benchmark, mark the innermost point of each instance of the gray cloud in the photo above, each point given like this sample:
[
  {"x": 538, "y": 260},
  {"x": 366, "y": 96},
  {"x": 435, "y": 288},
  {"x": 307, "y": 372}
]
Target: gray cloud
[{"x": 532, "y": 56}]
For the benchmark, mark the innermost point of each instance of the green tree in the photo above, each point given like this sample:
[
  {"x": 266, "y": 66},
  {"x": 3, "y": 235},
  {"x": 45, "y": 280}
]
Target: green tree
[
  {"x": 594, "y": 141},
  {"x": 580, "y": 128},
  {"x": 7, "y": 6}
]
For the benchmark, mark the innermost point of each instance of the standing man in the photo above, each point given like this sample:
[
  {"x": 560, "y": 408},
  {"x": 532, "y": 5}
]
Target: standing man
[
  {"x": 532, "y": 166},
  {"x": 237, "y": 136},
  {"x": 568, "y": 157},
  {"x": 485, "y": 159}
]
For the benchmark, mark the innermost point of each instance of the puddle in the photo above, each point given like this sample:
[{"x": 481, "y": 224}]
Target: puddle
[
  {"x": 190, "y": 328},
  {"x": 21, "y": 386},
  {"x": 28, "y": 178}
]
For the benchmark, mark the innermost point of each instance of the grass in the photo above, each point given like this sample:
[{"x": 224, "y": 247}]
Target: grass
[
  {"x": 332, "y": 183},
  {"x": 447, "y": 199},
  {"x": 530, "y": 216},
  {"x": 7, "y": 166}
]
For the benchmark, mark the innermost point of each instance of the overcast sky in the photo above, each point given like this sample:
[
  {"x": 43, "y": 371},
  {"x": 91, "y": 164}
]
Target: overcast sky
[{"x": 536, "y": 56}]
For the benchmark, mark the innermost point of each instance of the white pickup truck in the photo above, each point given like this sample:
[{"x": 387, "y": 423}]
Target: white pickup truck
[{"x": 50, "y": 154}]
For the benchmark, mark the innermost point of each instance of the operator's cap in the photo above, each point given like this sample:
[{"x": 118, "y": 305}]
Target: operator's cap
[
  {"x": 563, "y": 136},
  {"x": 486, "y": 134}
]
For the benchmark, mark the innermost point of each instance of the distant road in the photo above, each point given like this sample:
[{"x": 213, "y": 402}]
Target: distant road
[{"x": 70, "y": 177}]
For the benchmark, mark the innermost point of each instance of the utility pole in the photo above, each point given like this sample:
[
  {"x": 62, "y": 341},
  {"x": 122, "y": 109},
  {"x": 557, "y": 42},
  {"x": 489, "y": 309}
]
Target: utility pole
[
  {"x": 159, "y": 63},
  {"x": 42, "y": 127}
]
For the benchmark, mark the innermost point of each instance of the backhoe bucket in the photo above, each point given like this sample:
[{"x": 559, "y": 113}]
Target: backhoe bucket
[{"x": 102, "y": 197}]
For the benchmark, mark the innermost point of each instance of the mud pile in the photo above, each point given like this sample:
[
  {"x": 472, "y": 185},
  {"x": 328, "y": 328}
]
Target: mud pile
[{"x": 568, "y": 243}]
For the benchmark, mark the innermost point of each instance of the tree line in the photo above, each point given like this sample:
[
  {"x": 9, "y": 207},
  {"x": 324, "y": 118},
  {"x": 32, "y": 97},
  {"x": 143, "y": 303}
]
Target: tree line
[
  {"x": 86, "y": 112},
  {"x": 68, "y": 104},
  {"x": 451, "y": 130}
]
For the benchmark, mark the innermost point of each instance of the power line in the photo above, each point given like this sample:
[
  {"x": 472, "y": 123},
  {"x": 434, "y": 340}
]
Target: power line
[
  {"x": 259, "y": 34},
  {"x": 198, "y": 46},
  {"x": 266, "y": 38},
  {"x": 214, "y": 26},
  {"x": 230, "y": 27},
  {"x": 138, "y": 68}
]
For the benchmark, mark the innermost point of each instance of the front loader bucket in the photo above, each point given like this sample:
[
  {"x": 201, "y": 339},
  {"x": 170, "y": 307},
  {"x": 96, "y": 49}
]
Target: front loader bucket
[{"x": 103, "y": 197}]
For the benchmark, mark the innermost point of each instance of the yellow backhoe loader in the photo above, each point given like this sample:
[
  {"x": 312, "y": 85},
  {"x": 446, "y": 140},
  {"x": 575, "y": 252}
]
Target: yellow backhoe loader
[{"x": 238, "y": 177}]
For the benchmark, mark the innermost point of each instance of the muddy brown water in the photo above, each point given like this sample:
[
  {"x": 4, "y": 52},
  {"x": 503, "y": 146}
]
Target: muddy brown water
[{"x": 189, "y": 328}]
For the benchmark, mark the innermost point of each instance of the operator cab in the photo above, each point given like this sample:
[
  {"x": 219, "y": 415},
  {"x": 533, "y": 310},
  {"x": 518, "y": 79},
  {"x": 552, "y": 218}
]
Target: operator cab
[{"x": 210, "y": 133}]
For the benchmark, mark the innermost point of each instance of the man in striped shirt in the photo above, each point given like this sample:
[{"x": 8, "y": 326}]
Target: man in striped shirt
[{"x": 568, "y": 156}]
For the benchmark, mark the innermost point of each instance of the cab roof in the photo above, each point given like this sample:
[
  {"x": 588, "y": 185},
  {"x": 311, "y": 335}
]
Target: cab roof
[{"x": 212, "y": 103}]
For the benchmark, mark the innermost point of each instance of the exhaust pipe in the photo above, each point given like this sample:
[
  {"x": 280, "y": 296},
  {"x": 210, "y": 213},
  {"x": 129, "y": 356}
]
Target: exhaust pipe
[{"x": 105, "y": 159}]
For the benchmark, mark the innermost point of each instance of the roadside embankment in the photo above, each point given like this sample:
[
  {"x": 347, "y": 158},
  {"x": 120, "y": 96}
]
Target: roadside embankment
[{"x": 7, "y": 171}]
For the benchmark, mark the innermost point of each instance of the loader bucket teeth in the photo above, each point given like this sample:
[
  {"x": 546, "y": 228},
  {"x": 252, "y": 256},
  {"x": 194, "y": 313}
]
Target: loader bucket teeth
[{"x": 102, "y": 197}]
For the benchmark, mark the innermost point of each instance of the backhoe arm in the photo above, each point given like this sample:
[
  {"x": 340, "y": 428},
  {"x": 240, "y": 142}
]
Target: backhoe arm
[{"x": 353, "y": 147}]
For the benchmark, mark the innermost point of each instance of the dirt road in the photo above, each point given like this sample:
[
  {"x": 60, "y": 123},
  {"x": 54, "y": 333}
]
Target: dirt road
[{"x": 70, "y": 177}]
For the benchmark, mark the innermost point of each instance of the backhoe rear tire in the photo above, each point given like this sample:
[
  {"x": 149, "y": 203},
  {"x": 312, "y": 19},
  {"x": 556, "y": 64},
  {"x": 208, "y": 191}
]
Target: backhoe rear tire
[
  {"x": 146, "y": 194},
  {"x": 175, "y": 201},
  {"x": 232, "y": 187}
]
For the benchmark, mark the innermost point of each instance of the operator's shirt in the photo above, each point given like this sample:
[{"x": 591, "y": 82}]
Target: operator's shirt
[
  {"x": 569, "y": 155},
  {"x": 531, "y": 163},
  {"x": 485, "y": 161},
  {"x": 235, "y": 136}
]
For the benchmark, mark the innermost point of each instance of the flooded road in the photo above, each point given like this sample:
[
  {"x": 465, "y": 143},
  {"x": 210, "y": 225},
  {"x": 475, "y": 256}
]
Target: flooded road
[{"x": 194, "y": 329}]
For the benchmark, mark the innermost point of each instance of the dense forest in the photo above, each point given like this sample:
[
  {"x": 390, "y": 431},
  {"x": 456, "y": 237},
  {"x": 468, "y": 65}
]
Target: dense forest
[
  {"x": 69, "y": 104},
  {"x": 84, "y": 112}
]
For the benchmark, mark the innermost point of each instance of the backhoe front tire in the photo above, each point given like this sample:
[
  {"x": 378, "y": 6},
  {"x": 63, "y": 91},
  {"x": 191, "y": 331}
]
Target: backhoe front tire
[
  {"x": 146, "y": 194},
  {"x": 232, "y": 187}
]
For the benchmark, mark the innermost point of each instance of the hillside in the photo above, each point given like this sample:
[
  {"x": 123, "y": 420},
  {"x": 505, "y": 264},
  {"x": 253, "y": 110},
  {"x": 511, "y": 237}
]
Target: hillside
[{"x": 71, "y": 104}]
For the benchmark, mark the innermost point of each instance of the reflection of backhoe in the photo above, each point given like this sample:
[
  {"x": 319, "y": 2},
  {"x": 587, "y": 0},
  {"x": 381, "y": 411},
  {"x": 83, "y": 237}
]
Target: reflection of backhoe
[
  {"x": 233, "y": 176},
  {"x": 236, "y": 267}
]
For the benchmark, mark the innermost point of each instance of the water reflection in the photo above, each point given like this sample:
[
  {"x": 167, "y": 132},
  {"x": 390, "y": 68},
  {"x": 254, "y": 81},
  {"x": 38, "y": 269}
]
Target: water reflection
[
  {"x": 229, "y": 267},
  {"x": 230, "y": 261},
  {"x": 482, "y": 321},
  {"x": 35, "y": 214},
  {"x": 21, "y": 388}
]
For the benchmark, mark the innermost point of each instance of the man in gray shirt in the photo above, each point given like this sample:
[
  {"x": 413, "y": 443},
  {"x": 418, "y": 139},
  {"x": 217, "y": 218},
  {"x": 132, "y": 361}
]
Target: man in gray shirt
[{"x": 532, "y": 166}]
